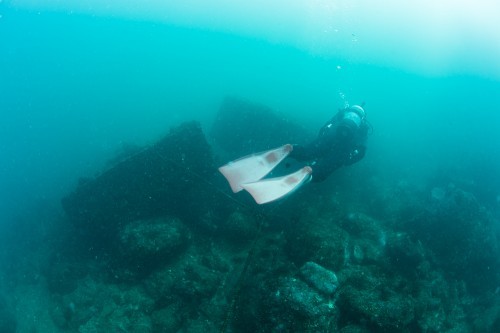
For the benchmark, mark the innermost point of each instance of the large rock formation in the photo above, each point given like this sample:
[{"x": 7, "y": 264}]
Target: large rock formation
[
  {"x": 242, "y": 127},
  {"x": 164, "y": 179}
]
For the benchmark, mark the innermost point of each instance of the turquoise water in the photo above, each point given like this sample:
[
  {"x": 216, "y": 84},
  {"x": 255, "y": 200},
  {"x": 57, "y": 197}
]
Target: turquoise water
[{"x": 77, "y": 88}]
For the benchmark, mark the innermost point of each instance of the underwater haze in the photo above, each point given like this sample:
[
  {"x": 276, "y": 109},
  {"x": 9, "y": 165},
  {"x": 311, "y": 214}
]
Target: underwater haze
[
  {"x": 82, "y": 82},
  {"x": 81, "y": 78}
]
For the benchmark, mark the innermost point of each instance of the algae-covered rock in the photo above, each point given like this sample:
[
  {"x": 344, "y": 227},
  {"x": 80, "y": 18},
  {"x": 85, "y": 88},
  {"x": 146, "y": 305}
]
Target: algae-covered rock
[
  {"x": 62, "y": 276},
  {"x": 367, "y": 241},
  {"x": 201, "y": 325},
  {"x": 439, "y": 304},
  {"x": 392, "y": 314},
  {"x": 301, "y": 302},
  {"x": 319, "y": 278},
  {"x": 189, "y": 279},
  {"x": 461, "y": 235},
  {"x": 98, "y": 307},
  {"x": 162, "y": 179},
  {"x": 300, "y": 297},
  {"x": 190, "y": 293},
  {"x": 371, "y": 298},
  {"x": 352, "y": 239},
  {"x": 145, "y": 245},
  {"x": 166, "y": 320},
  {"x": 117, "y": 322},
  {"x": 363, "y": 226},
  {"x": 405, "y": 254},
  {"x": 354, "y": 329},
  {"x": 297, "y": 307},
  {"x": 239, "y": 228},
  {"x": 320, "y": 241},
  {"x": 153, "y": 241}
]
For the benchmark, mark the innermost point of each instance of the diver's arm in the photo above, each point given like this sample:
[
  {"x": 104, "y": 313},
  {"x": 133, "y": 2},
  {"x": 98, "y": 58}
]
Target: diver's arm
[
  {"x": 359, "y": 149},
  {"x": 356, "y": 155}
]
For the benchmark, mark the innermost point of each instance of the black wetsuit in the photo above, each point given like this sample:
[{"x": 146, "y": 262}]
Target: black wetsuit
[{"x": 338, "y": 143}]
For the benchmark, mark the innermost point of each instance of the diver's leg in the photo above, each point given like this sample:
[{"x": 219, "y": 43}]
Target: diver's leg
[
  {"x": 305, "y": 152},
  {"x": 325, "y": 167}
]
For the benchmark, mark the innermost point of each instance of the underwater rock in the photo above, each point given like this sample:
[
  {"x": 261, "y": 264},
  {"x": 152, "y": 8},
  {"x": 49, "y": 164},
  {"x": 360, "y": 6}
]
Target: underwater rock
[
  {"x": 319, "y": 278},
  {"x": 192, "y": 278},
  {"x": 361, "y": 225},
  {"x": 303, "y": 301},
  {"x": 366, "y": 297},
  {"x": 439, "y": 305},
  {"x": 367, "y": 239},
  {"x": 317, "y": 240},
  {"x": 392, "y": 314},
  {"x": 163, "y": 179},
  {"x": 146, "y": 244},
  {"x": 98, "y": 307},
  {"x": 117, "y": 322},
  {"x": 486, "y": 315},
  {"x": 460, "y": 233},
  {"x": 62, "y": 276},
  {"x": 201, "y": 325},
  {"x": 438, "y": 193},
  {"x": 354, "y": 238},
  {"x": 167, "y": 319},
  {"x": 242, "y": 127},
  {"x": 405, "y": 254},
  {"x": 298, "y": 296},
  {"x": 390, "y": 201},
  {"x": 190, "y": 293},
  {"x": 296, "y": 307},
  {"x": 364, "y": 251},
  {"x": 239, "y": 228},
  {"x": 354, "y": 329}
]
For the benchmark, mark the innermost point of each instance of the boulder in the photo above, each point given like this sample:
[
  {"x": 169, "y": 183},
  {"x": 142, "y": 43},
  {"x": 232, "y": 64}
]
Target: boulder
[
  {"x": 296, "y": 306},
  {"x": 319, "y": 278},
  {"x": 163, "y": 179},
  {"x": 146, "y": 244},
  {"x": 298, "y": 296},
  {"x": 98, "y": 307},
  {"x": 366, "y": 299},
  {"x": 239, "y": 228},
  {"x": 461, "y": 235}
]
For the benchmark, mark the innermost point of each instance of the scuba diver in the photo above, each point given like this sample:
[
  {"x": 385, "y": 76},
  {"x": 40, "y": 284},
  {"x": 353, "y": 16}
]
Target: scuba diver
[{"x": 341, "y": 141}]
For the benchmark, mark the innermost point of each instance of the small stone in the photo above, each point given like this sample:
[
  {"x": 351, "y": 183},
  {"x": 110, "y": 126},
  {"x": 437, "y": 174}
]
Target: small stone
[
  {"x": 319, "y": 278},
  {"x": 301, "y": 298}
]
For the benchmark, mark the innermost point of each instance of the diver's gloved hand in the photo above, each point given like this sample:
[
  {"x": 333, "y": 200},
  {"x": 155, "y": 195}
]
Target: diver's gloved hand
[{"x": 355, "y": 155}]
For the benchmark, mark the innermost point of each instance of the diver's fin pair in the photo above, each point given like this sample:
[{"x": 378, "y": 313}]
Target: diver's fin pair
[{"x": 246, "y": 174}]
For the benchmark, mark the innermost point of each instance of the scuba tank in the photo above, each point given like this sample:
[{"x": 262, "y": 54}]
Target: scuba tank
[{"x": 350, "y": 122}]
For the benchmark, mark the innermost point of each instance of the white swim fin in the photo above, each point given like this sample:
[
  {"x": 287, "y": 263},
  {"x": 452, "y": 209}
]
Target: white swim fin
[
  {"x": 268, "y": 190},
  {"x": 254, "y": 167}
]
